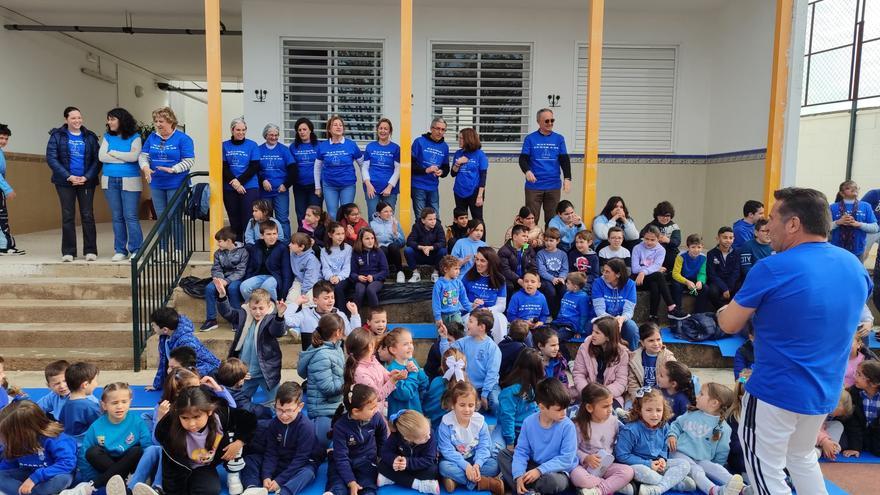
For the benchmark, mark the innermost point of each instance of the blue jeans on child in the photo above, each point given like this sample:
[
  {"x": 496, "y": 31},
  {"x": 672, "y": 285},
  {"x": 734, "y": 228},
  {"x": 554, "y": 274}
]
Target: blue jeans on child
[
  {"x": 253, "y": 464},
  {"x": 11, "y": 479},
  {"x": 336, "y": 196},
  {"x": 124, "y": 209},
  {"x": 149, "y": 467},
  {"x": 415, "y": 257},
  {"x": 281, "y": 205},
  {"x": 391, "y": 199},
  {"x": 233, "y": 292},
  {"x": 451, "y": 470},
  {"x": 267, "y": 282},
  {"x": 258, "y": 381},
  {"x": 630, "y": 333},
  {"x": 322, "y": 428},
  {"x": 422, "y": 198}
]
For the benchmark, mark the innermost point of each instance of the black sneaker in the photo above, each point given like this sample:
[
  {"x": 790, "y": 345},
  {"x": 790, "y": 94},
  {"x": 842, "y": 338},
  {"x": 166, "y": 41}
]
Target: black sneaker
[
  {"x": 677, "y": 314},
  {"x": 208, "y": 325},
  {"x": 12, "y": 252}
]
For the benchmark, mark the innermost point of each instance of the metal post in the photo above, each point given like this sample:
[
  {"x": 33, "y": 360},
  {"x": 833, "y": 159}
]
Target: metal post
[
  {"x": 215, "y": 114},
  {"x": 857, "y": 73},
  {"x": 778, "y": 99},
  {"x": 594, "y": 85},
  {"x": 404, "y": 203}
]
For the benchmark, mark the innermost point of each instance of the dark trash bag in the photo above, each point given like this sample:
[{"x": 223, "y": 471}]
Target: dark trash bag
[
  {"x": 698, "y": 327},
  {"x": 406, "y": 293},
  {"x": 194, "y": 286}
]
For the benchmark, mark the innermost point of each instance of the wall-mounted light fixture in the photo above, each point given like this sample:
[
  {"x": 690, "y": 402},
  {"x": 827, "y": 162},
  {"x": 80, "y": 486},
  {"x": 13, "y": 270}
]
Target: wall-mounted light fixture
[{"x": 260, "y": 95}]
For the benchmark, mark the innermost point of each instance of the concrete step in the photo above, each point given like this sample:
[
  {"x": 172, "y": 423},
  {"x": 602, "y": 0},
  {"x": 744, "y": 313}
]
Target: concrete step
[
  {"x": 66, "y": 335},
  {"x": 62, "y": 311},
  {"x": 36, "y": 358},
  {"x": 198, "y": 266},
  {"x": 79, "y": 288}
]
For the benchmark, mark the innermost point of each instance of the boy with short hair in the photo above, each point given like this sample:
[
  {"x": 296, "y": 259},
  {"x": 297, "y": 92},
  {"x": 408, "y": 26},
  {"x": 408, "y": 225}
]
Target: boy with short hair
[
  {"x": 743, "y": 230},
  {"x": 425, "y": 244},
  {"x": 615, "y": 248},
  {"x": 512, "y": 344},
  {"x": 689, "y": 273},
  {"x": 449, "y": 297},
  {"x": 53, "y": 402},
  {"x": 305, "y": 321},
  {"x": 755, "y": 249},
  {"x": 546, "y": 451},
  {"x": 377, "y": 321},
  {"x": 292, "y": 452},
  {"x": 575, "y": 310},
  {"x": 583, "y": 259},
  {"x": 258, "y": 326},
  {"x": 528, "y": 303},
  {"x": 182, "y": 357},
  {"x": 517, "y": 258},
  {"x": 457, "y": 229},
  {"x": 552, "y": 268},
  {"x": 176, "y": 330},
  {"x": 79, "y": 412},
  {"x": 7, "y": 242},
  {"x": 268, "y": 265},
  {"x": 232, "y": 374},
  {"x": 230, "y": 264},
  {"x": 454, "y": 331},
  {"x": 722, "y": 269}
]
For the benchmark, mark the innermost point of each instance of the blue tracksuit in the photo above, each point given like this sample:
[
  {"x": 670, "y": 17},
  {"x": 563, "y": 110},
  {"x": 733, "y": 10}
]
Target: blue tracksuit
[
  {"x": 407, "y": 393},
  {"x": 291, "y": 457},
  {"x": 512, "y": 411},
  {"x": 723, "y": 272},
  {"x": 356, "y": 447},
  {"x": 510, "y": 350},
  {"x": 115, "y": 438},
  {"x": 56, "y": 457},
  {"x": 77, "y": 416}
]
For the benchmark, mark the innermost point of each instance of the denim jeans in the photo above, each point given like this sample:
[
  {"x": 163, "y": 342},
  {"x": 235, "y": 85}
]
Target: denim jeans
[
  {"x": 630, "y": 333},
  {"x": 422, "y": 198},
  {"x": 336, "y": 196},
  {"x": 415, "y": 257},
  {"x": 124, "y": 208},
  {"x": 449, "y": 469},
  {"x": 149, "y": 467},
  {"x": 11, "y": 479},
  {"x": 391, "y": 199},
  {"x": 69, "y": 197},
  {"x": 233, "y": 291},
  {"x": 281, "y": 205},
  {"x": 303, "y": 197},
  {"x": 161, "y": 201},
  {"x": 267, "y": 282},
  {"x": 258, "y": 381}
]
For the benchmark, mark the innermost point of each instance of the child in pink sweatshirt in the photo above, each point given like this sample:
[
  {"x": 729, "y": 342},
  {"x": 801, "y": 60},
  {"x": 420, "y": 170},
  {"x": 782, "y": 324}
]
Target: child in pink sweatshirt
[{"x": 362, "y": 367}]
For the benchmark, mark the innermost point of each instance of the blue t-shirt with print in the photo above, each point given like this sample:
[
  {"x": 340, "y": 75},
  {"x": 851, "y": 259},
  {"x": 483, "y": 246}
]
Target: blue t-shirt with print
[
  {"x": 863, "y": 213},
  {"x": 239, "y": 156},
  {"x": 382, "y": 159},
  {"x": 649, "y": 363},
  {"x": 428, "y": 153},
  {"x": 805, "y": 318},
  {"x": 480, "y": 289},
  {"x": 168, "y": 153},
  {"x": 467, "y": 180},
  {"x": 338, "y": 162},
  {"x": 305, "y": 155},
  {"x": 76, "y": 145},
  {"x": 543, "y": 152},
  {"x": 273, "y": 167}
]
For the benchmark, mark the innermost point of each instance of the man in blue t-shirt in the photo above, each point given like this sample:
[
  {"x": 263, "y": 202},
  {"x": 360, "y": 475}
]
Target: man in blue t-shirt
[
  {"x": 805, "y": 316},
  {"x": 430, "y": 163},
  {"x": 542, "y": 157}
]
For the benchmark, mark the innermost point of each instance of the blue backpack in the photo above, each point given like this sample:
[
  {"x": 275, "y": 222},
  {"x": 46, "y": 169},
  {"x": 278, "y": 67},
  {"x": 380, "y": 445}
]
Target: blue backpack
[{"x": 198, "y": 205}]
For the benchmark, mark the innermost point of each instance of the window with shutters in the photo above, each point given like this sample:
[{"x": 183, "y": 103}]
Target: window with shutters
[
  {"x": 323, "y": 78},
  {"x": 637, "y": 99},
  {"x": 483, "y": 86}
]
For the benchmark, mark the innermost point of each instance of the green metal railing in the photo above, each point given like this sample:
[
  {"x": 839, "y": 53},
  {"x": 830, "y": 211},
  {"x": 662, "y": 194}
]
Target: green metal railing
[{"x": 157, "y": 267}]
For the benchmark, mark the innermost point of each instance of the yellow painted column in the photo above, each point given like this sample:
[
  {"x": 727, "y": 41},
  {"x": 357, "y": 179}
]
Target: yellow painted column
[
  {"x": 778, "y": 99},
  {"x": 404, "y": 203},
  {"x": 594, "y": 85},
  {"x": 215, "y": 115}
]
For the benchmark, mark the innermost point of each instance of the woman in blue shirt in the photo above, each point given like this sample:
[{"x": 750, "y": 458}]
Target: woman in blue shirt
[
  {"x": 381, "y": 169},
  {"x": 165, "y": 159},
  {"x": 121, "y": 181},
  {"x": 277, "y": 173},
  {"x": 72, "y": 154},
  {"x": 469, "y": 167},
  {"x": 241, "y": 163},
  {"x": 486, "y": 288},
  {"x": 305, "y": 152},
  {"x": 335, "y": 175}
]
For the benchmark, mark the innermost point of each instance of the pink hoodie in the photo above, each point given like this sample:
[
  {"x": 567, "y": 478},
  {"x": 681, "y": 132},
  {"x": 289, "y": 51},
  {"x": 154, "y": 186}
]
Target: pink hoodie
[
  {"x": 586, "y": 370},
  {"x": 371, "y": 372}
]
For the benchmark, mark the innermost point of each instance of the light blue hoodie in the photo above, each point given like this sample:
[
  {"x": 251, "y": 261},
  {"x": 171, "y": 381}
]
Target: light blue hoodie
[
  {"x": 306, "y": 269},
  {"x": 336, "y": 262},
  {"x": 382, "y": 228},
  {"x": 252, "y": 232},
  {"x": 694, "y": 431}
]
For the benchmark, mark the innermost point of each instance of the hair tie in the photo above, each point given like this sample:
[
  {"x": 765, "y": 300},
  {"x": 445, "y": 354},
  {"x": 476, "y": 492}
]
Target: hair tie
[
  {"x": 643, "y": 391},
  {"x": 350, "y": 394},
  {"x": 454, "y": 367},
  {"x": 393, "y": 417},
  {"x": 742, "y": 379}
]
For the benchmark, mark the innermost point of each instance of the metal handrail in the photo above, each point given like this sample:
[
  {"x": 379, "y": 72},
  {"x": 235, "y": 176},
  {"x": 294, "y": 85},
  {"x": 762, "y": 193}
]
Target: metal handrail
[{"x": 157, "y": 267}]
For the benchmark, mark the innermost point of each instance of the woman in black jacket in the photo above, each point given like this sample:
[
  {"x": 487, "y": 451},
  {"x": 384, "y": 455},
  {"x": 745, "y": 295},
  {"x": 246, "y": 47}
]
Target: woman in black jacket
[{"x": 72, "y": 154}]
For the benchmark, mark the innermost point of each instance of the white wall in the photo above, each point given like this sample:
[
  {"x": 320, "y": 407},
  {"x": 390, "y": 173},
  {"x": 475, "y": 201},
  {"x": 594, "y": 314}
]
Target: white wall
[
  {"x": 41, "y": 76},
  {"x": 194, "y": 114}
]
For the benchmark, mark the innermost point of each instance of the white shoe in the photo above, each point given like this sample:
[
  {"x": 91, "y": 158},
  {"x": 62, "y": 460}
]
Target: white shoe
[
  {"x": 651, "y": 490},
  {"x": 116, "y": 486},
  {"x": 589, "y": 491},
  {"x": 734, "y": 486},
  {"x": 67, "y": 258},
  {"x": 401, "y": 278},
  {"x": 118, "y": 257},
  {"x": 427, "y": 486},
  {"x": 252, "y": 491},
  {"x": 627, "y": 490},
  {"x": 416, "y": 277},
  {"x": 143, "y": 489},
  {"x": 383, "y": 481},
  {"x": 686, "y": 485},
  {"x": 84, "y": 488},
  {"x": 91, "y": 257},
  {"x": 435, "y": 276}
]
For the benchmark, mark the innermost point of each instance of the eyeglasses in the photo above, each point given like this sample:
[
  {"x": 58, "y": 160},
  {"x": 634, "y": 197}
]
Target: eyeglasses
[
  {"x": 764, "y": 231},
  {"x": 441, "y": 129},
  {"x": 549, "y": 121}
]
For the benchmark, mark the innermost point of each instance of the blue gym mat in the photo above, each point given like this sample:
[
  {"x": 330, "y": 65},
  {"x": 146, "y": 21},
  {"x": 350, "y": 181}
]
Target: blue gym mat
[
  {"x": 142, "y": 400},
  {"x": 873, "y": 343},
  {"x": 728, "y": 346},
  {"x": 418, "y": 330},
  {"x": 863, "y": 458}
]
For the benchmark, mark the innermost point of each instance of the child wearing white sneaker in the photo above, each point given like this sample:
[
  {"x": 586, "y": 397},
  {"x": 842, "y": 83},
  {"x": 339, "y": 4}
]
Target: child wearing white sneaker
[
  {"x": 409, "y": 455},
  {"x": 702, "y": 438}
]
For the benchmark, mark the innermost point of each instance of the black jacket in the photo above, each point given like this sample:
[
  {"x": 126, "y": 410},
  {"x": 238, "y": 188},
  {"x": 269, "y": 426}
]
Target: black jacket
[
  {"x": 277, "y": 264},
  {"x": 270, "y": 329},
  {"x": 859, "y": 434},
  {"x": 419, "y": 235},
  {"x": 58, "y": 156},
  {"x": 510, "y": 261}
]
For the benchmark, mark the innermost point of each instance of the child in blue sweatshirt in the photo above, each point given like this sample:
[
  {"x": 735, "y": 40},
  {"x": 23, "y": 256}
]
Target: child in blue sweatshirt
[
  {"x": 176, "y": 330},
  {"x": 39, "y": 458},
  {"x": 408, "y": 392},
  {"x": 7, "y": 242},
  {"x": 641, "y": 443},
  {"x": 466, "y": 248},
  {"x": 114, "y": 443},
  {"x": 575, "y": 310},
  {"x": 369, "y": 269},
  {"x": 552, "y": 268},
  {"x": 483, "y": 357},
  {"x": 409, "y": 455},
  {"x": 359, "y": 434},
  {"x": 305, "y": 267},
  {"x": 54, "y": 401},
  {"x": 465, "y": 445},
  {"x": 546, "y": 451},
  {"x": 453, "y": 369},
  {"x": 79, "y": 413},
  {"x": 517, "y": 400},
  {"x": 262, "y": 213},
  {"x": 583, "y": 259},
  {"x": 528, "y": 304},
  {"x": 449, "y": 298},
  {"x": 292, "y": 452},
  {"x": 232, "y": 374}
]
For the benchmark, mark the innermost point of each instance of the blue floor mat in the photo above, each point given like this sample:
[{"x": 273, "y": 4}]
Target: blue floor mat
[
  {"x": 728, "y": 346},
  {"x": 873, "y": 343},
  {"x": 863, "y": 458},
  {"x": 418, "y": 330},
  {"x": 141, "y": 400}
]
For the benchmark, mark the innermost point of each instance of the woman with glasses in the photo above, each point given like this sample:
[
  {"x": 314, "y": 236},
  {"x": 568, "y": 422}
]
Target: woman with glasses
[
  {"x": 430, "y": 162},
  {"x": 542, "y": 158},
  {"x": 277, "y": 174},
  {"x": 335, "y": 174},
  {"x": 670, "y": 233}
]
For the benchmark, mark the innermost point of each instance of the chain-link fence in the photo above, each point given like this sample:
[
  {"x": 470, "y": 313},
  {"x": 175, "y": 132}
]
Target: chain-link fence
[{"x": 842, "y": 60}]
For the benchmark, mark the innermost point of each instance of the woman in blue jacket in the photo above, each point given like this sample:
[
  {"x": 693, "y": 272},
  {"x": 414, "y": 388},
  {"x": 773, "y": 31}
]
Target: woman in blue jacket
[
  {"x": 305, "y": 152},
  {"x": 121, "y": 181},
  {"x": 469, "y": 167},
  {"x": 72, "y": 154},
  {"x": 277, "y": 174},
  {"x": 241, "y": 163},
  {"x": 335, "y": 170}
]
